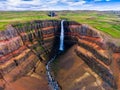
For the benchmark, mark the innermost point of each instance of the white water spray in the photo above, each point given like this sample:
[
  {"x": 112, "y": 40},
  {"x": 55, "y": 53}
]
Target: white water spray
[
  {"x": 61, "y": 48},
  {"x": 54, "y": 85}
]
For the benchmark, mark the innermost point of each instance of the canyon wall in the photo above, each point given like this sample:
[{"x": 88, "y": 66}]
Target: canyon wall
[
  {"x": 101, "y": 55},
  {"x": 25, "y": 46}
]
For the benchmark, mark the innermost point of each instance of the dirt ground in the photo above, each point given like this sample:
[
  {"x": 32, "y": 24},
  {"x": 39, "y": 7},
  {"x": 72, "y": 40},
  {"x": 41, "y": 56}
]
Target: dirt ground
[
  {"x": 73, "y": 74},
  {"x": 32, "y": 81},
  {"x": 28, "y": 83}
]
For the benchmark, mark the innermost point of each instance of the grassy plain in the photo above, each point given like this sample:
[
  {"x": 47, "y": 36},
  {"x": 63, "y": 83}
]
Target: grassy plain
[{"x": 103, "y": 21}]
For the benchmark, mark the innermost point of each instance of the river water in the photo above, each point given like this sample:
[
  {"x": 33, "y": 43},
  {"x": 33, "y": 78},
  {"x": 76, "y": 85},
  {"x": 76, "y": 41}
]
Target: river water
[{"x": 52, "y": 82}]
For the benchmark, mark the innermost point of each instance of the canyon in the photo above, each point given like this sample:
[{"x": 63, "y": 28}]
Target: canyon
[{"x": 26, "y": 48}]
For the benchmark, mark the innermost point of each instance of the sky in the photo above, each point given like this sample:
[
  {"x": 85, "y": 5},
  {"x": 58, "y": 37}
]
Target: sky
[{"x": 38, "y": 5}]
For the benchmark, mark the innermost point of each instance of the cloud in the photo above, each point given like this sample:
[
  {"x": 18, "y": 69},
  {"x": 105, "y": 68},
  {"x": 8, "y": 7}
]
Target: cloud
[
  {"x": 53, "y": 1},
  {"x": 56, "y": 5},
  {"x": 76, "y": 3}
]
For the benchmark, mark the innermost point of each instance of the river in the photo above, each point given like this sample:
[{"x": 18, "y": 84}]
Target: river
[{"x": 52, "y": 82}]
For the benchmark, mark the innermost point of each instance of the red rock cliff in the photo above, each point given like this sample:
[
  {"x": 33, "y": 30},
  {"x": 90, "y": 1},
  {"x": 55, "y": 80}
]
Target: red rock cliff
[{"x": 24, "y": 46}]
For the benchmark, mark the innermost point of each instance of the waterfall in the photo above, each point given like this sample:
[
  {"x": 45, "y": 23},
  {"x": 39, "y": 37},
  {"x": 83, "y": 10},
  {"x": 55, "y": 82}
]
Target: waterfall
[
  {"x": 61, "y": 48},
  {"x": 52, "y": 82}
]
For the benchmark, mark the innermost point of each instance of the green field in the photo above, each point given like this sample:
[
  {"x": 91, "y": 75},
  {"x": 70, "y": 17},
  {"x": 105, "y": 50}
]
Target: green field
[{"x": 104, "y": 21}]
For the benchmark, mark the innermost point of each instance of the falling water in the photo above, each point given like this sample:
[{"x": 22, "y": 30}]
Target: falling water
[
  {"x": 62, "y": 37},
  {"x": 53, "y": 84}
]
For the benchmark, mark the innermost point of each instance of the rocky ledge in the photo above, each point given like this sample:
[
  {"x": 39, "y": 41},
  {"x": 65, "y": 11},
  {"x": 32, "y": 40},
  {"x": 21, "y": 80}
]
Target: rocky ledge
[{"x": 25, "y": 48}]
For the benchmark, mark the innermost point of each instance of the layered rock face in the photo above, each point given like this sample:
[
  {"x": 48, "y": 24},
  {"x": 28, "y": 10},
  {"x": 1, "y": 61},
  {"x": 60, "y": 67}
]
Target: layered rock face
[
  {"x": 26, "y": 47},
  {"x": 102, "y": 56}
]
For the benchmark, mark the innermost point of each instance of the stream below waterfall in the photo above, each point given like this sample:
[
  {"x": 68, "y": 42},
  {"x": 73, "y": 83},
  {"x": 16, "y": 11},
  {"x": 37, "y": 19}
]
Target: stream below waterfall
[{"x": 52, "y": 82}]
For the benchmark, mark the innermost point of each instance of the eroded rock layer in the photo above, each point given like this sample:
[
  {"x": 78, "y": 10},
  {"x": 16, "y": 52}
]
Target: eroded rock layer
[
  {"x": 26, "y": 47},
  {"x": 100, "y": 55}
]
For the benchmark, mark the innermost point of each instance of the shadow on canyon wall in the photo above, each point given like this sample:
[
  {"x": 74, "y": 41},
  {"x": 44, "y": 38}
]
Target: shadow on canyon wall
[{"x": 41, "y": 40}]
